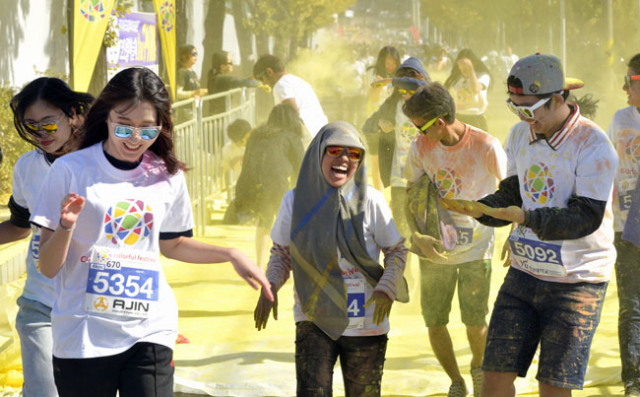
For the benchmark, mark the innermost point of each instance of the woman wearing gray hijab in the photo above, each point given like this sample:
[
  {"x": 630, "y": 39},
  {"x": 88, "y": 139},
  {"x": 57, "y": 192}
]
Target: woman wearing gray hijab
[{"x": 330, "y": 230}]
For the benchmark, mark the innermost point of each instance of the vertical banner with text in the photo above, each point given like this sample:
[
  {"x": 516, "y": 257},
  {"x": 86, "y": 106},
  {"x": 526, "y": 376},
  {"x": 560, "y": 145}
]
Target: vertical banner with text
[
  {"x": 90, "y": 21},
  {"x": 137, "y": 43},
  {"x": 166, "y": 11}
]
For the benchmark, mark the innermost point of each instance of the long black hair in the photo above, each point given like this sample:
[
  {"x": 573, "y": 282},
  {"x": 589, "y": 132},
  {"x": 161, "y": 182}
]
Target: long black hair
[
  {"x": 286, "y": 118},
  {"x": 56, "y": 93},
  {"x": 132, "y": 86},
  {"x": 456, "y": 74},
  {"x": 380, "y": 68}
]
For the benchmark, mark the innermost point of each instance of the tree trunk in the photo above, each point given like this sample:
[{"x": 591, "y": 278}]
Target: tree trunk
[
  {"x": 244, "y": 38},
  {"x": 181, "y": 24},
  {"x": 213, "y": 30}
]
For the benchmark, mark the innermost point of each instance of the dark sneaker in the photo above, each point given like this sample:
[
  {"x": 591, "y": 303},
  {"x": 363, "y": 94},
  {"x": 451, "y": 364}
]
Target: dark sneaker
[
  {"x": 476, "y": 377},
  {"x": 458, "y": 389}
]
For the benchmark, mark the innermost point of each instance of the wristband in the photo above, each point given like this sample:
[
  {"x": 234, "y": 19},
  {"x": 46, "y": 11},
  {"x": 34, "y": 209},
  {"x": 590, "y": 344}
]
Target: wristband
[{"x": 68, "y": 229}]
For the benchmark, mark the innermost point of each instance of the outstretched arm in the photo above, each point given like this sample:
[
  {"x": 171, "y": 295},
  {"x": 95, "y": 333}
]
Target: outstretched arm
[{"x": 189, "y": 250}]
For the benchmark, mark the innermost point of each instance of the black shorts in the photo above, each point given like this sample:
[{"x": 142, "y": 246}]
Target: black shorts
[{"x": 146, "y": 369}]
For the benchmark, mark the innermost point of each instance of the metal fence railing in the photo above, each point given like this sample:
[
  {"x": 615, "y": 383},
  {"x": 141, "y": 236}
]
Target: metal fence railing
[{"x": 199, "y": 139}]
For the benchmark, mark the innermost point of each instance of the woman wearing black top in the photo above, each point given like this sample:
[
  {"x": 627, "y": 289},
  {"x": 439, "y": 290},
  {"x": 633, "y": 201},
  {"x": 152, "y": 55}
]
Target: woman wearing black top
[{"x": 221, "y": 80}]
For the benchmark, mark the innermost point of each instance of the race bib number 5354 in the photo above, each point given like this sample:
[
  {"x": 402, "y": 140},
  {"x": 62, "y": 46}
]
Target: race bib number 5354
[{"x": 122, "y": 287}]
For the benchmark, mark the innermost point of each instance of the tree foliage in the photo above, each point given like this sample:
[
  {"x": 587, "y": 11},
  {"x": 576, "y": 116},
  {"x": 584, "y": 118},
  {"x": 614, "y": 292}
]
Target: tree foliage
[
  {"x": 530, "y": 26},
  {"x": 291, "y": 21}
]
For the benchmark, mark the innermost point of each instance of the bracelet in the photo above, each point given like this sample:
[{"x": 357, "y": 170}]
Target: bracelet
[{"x": 68, "y": 229}]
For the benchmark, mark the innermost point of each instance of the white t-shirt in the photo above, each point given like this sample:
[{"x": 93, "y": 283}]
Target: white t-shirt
[
  {"x": 28, "y": 175},
  {"x": 583, "y": 164},
  {"x": 406, "y": 133},
  {"x": 111, "y": 291},
  {"x": 311, "y": 113},
  {"x": 466, "y": 102},
  {"x": 379, "y": 231},
  {"x": 232, "y": 155},
  {"x": 624, "y": 132},
  {"x": 468, "y": 170}
]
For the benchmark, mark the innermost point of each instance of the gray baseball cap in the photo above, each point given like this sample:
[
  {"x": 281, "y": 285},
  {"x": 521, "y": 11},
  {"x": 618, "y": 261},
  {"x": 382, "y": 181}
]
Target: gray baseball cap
[{"x": 541, "y": 74}]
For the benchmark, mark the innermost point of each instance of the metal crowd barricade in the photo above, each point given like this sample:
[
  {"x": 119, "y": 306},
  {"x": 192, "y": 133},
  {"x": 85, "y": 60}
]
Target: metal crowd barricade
[{"x": 199, "y": 139}]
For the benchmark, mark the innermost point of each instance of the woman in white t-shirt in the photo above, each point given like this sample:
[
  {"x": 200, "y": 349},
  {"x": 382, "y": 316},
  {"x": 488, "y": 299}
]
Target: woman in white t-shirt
[
  {"x": 330, "y": 230},
  {"x": 107, "y": 211},
  {"x": 468, "y": 83},
  {"x": 47, "y": 114}
]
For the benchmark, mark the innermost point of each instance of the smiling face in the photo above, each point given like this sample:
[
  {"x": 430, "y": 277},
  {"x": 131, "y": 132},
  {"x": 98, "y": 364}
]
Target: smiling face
[
  {"x": 338, "y": 170},
  {"x": 390, "y": 64},
  {"x": 130, "y": 149},
  {"x": 41, "y": 112},
  {"x": 633, "y": 91},
  {"x": 545, "y": 118}
]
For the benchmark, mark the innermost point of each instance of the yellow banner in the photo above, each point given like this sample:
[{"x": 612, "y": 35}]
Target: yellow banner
[
  {"x": 90, "y": 21},
  {"x": 166, "y": 11}
]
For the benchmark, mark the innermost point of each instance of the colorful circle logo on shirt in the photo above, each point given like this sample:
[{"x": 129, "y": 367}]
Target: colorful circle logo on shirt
[
  {"x": 632, "y": 149},
  {"x": 408, "y": 131},
  {"x": 447, "y": 182},
  {"x": 128, "y": 222},
  {"x": 92, "y": 10},
  {"x": 168, "y": 14},
  {"x": 538, "y": 183}
]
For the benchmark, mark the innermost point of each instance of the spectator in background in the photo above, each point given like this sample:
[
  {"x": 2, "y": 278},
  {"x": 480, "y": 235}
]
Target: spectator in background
[
  {"x": 395, "y": 133},
  {"x": 270, "y": 167},
  {"x": 188, "y": 85},
  {"x": 291, "y": 90},
  {"x": 386, "y": 65},
  {"x": 468, "y": 82},
  {"x": 233, "y": 151},
  {"x": 220, "y": 79},
  {"x": 442, "y": 62}
]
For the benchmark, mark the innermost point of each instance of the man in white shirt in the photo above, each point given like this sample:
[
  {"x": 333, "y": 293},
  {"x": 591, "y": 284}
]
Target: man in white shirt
[{"x": 291, "y": 90}]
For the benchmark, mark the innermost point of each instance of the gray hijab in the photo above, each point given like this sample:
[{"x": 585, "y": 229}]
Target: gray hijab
[{"x": 326, "y": 219}]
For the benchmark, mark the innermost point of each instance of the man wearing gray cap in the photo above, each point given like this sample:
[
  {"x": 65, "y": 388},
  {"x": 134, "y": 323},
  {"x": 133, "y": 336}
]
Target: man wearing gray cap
[{"x": 558, "y": 190}]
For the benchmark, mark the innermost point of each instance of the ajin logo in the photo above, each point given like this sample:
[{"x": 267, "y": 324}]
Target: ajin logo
[
  {"x": 447, "y": 182},
  {"x": 128, "y": 221},
  {"x": 101, "y": 304},
  {"x": 632, "y": 149},
  {"x": 538, "y": 183}
]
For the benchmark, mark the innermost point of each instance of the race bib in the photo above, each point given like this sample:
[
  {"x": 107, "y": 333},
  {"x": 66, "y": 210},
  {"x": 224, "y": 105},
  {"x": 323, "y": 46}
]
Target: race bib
[
  {"x": 355, "y": 302},
  {"x": 122, "y": 283},
  {"x": 465, "y": 235},
  {"x": 537, "y": 257},
  {"x": 625, "y": 193}
]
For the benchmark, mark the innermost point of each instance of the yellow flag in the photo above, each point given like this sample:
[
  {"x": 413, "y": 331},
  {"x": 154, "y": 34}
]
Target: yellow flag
[
  {"x": 90, "y": 21},
  {"x": 166, "y": 11}
]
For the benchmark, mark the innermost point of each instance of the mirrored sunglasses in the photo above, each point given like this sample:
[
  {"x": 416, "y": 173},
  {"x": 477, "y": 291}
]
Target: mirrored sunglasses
[
  {"x": 526, "y": 111},
  {"x": 49, "y": 127},
  {"x": 125, "y": 131},
  {"x": 629, "y": 79},
  {"x": 353, "y": 153}
]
